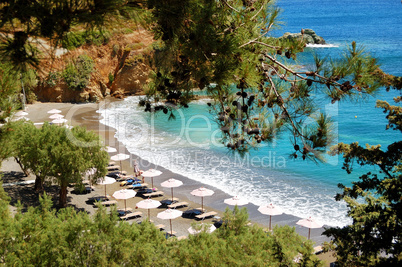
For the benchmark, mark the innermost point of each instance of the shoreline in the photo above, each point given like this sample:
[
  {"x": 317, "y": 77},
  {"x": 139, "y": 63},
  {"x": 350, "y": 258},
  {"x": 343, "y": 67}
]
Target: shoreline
[{"x": 86, "y": 115}]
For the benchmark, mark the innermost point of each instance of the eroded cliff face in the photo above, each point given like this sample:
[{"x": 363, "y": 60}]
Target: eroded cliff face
[{"x": 120, "y": 70}]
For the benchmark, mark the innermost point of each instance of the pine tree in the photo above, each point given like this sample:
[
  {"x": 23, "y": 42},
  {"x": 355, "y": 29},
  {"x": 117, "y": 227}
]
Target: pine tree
[
  {"x": 375, "y": 201},
  {"x": 225, "y": 48}
]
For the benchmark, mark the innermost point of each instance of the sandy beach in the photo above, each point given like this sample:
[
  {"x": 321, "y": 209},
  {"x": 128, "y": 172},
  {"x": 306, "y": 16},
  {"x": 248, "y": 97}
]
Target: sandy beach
[{"x": 85, "y": 115}]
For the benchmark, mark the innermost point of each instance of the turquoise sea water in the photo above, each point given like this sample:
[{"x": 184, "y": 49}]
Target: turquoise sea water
[{"x": 189, "y": 145}]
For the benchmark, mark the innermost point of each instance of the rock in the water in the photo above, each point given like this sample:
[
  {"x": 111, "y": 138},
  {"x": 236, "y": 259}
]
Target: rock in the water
[{"x": 309, "y": 36}]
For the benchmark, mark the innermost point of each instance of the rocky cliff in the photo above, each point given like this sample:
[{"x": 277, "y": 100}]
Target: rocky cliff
[{"x": 119, "y": 69}]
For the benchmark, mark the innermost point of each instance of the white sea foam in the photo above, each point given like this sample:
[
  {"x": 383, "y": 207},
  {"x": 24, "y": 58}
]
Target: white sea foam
[
  {"x": 254, "y": 178},
  {"x": 321, "y": 45}
]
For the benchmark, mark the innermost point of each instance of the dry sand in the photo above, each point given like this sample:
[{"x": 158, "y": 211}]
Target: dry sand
[{"x": 85, "y": 115}]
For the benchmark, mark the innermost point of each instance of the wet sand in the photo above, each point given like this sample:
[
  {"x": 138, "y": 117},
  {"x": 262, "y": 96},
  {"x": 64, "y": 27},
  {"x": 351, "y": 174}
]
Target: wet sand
[{"x": 85, "y": 115}]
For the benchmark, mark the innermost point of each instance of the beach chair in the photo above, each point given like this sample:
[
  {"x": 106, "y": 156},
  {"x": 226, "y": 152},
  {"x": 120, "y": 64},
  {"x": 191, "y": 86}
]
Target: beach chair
[
  {"x": 154, "y": 194},
  {"x": 160, "y": 226},
  {"x": 178, "y": 205},
  {"x": 318, "y": 249},
  {"x": 206, "y": 215},
  {"x": 89, "y": 189},
  {"x": 112, "y": 168},
  {"x": 137, "y": 186},
  {"x": 170, "y": 233},
  {"x": 108, "y": 202},
  {"x": 131, "y": 215},
  {"x": 125, "y": 210}
]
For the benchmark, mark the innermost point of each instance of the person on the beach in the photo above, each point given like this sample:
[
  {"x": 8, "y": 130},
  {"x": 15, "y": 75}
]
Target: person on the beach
[{"x": 137, "y": 171}]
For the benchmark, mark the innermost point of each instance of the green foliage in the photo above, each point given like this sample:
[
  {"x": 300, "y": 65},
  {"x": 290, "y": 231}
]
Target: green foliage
[
  {"x": 111, "y": 78},
  {"x": 77, "y": 74},
  {"x": 74, "y": 40},
  {"x": 374, "y": 202},
  {"x": 41, "y": 236},
  {"x": 225, "y": 48},
  {"x": 52, "y": 20},
  {"x": 53, "y": 152},
  {"x": 29, "y": 82},
  {"x": 52, "y": 78},
  {"x": 134, "y": 46},
  {"x": 9, "y": 93}
]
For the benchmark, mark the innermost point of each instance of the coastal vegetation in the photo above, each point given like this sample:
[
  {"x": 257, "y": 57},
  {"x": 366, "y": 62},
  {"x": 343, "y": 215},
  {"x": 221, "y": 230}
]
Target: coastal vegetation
[
  {"x": 258, "y": 91},
  {"x": 42, "y": 236},
  {"x": 54, "y": 153},
  {"x": 374, "y": 238}
]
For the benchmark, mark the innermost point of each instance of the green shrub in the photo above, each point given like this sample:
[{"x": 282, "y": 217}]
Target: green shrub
[
  {"x": 73, "y": 40},
  {"x": 77, "y": 74},
  {"x": 52, "y": 78},
  {"x": 111, "y": 77},
  {"x": 77, "y": 39}
]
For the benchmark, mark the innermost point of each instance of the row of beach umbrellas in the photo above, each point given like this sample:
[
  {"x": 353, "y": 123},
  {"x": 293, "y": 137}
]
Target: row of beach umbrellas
[
  {"x": 55, "y": 116},
  {"x": 202, "y": 192}
]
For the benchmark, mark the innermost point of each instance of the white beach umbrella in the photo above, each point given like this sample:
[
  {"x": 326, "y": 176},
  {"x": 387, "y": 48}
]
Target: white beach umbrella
[
  {"x": 172, "y": 183},
  {"x": 110, "y": 149},
  {"x": 105, "y": 181},
  {"x": 20, "y": 118},
  {"x": 151, "y": 173},
  {"x": 148, "y": 204},
  {"x": 56, "y": 116},
  {"x": 270, "y": 210},
  {"x": 198, "y": 229},
  {"x": 169, "y": 214},
  {"x": 309, "y": 223},
  {"x": 53, "y": 111},
  {"x": 202, "y": 192},
  {"x": 124, "y": 194},
  {"x": 236, "y": 201},
  {"x": 59, "y": 121},
  {"x": 21, "y": 113},
  {"x": 120, "y": 157}
]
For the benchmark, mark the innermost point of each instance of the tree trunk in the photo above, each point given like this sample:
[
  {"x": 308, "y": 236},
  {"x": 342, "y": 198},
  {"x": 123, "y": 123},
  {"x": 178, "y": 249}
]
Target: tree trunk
[
  {"x": 24, "y": 170},
  {"x": 63, "y": 197},
  {"x": 38, "y": 184}
]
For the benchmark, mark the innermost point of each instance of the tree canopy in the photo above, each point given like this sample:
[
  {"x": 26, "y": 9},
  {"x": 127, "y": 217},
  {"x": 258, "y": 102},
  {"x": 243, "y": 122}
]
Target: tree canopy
[
  {"x": 257, "y": 87},
  {"x": 41, "y": 236},
  {"x": 374, "y": 201},
  {"x": 56, "y": 153}
]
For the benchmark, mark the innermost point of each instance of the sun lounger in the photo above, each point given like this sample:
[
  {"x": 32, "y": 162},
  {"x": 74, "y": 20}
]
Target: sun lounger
[
  {"x": 171, "y": 233},
  {"x": 89, "y": 189},
  {"x": 111, "y": 163},
  {"x": 123, "y": 210},
  {"x": 178, "y": 205},
  {"x": 136, "y": 186},
  {"x": 131, "y": 215},
  {"x": 154, "y": 194},
  {"x": 109, "y": 202},
  {"x": 112, "y": 168},
  {"x": 206, "y": 215},
  {"x": 160, "y": 226},
  {"x": 318, "y": 249}
]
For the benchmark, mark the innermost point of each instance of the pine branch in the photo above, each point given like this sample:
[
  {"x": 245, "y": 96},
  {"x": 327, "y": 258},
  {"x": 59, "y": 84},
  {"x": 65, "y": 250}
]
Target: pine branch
[{"x": 229, "y": 6}]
